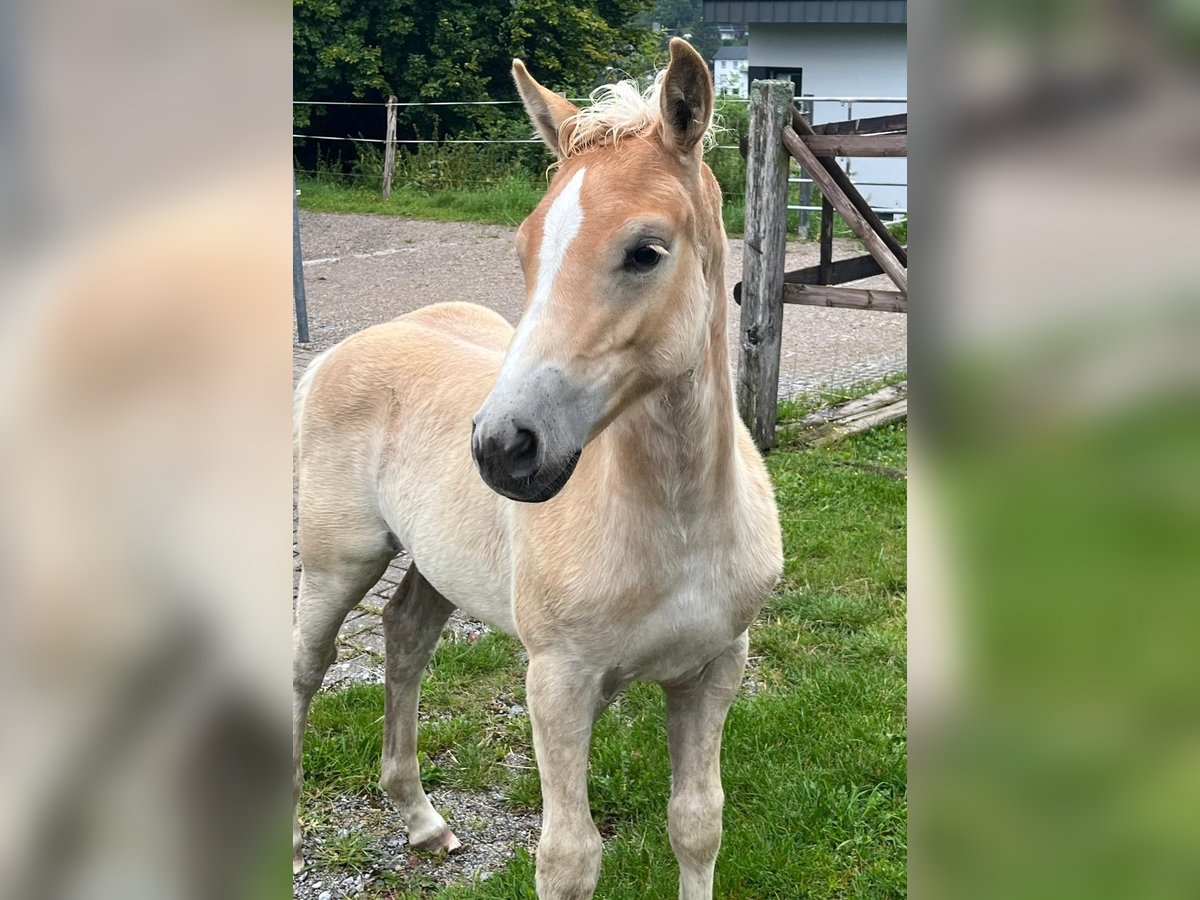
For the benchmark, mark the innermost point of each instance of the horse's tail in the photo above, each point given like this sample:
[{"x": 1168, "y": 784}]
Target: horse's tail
[{"x": 300, "y": 397}]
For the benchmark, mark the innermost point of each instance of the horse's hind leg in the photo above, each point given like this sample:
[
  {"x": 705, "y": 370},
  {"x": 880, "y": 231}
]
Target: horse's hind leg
[
  {"x": 412, "y": 623},
  {"x": 328, "y": 592}
]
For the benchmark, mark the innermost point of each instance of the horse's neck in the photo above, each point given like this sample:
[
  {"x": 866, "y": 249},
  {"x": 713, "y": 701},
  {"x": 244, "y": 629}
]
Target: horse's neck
[{"x": 682, "y": 439}]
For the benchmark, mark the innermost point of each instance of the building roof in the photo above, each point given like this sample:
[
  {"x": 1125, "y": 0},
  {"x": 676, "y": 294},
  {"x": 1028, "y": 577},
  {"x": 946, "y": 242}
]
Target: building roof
[
  {"x": 742, "y": 52},
  {"x": 874, "y": 12}
]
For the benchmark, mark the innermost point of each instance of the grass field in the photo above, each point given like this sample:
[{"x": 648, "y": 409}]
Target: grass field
[
  {"x": 506, "y": 203},
  {"x": 815, "y": 761}
]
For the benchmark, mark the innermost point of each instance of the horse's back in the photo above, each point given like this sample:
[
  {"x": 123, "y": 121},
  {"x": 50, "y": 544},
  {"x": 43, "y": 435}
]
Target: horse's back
[
  {"x": 386, "y": 429},
  {"x": 464, "y": 323},
  {"x": 434, "y": 344}
]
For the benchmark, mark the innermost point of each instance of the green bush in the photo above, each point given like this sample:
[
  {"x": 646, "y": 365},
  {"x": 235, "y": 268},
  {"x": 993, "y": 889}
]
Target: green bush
[{"x": 732, "y": 121}]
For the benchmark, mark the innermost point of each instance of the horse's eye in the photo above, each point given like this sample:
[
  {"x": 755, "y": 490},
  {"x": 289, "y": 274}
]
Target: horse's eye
[{"x": 643, "y": 258}]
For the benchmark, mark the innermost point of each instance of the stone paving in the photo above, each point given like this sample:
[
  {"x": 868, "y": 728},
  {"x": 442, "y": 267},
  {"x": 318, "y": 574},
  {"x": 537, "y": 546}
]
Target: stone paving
[{"x": 363, "y": 269}]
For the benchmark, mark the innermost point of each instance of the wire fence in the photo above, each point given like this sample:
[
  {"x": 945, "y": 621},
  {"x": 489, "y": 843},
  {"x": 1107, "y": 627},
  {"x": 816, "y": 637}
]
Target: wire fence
[{"x": 804, "y": 205}]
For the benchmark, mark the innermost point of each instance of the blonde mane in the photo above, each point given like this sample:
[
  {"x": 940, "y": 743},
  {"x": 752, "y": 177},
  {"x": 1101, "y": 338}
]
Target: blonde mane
[{"x": 617, "y": 110}]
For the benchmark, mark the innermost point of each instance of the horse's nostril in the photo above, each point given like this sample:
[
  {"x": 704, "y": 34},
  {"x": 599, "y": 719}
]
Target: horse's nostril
[{"x": 521, "y": 450}]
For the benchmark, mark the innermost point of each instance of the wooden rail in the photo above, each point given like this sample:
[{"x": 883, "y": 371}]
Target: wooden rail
[
  {"x": 848, "y": 298},
  {"x": 858, "y": 144},
  {"x": 858, "y": 224},
  {"x": 872, "y": 125},
  {"x": 840, "y": 271}
]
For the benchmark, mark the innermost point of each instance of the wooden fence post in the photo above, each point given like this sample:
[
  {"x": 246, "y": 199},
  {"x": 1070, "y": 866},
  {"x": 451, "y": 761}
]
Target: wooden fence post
[
  {"x": 767, "y": 165},
  {"x": 826, "y": 262},
  {"x": 389, "y": 148}
]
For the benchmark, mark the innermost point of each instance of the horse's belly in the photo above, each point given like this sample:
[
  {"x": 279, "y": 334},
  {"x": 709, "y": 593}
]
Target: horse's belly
[
  {"x": 475, "y": 588},
  {"x": 457, "y": 540}
]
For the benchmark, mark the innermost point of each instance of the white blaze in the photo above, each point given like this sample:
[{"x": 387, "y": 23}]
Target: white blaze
[{"x": 558, "y": 231}]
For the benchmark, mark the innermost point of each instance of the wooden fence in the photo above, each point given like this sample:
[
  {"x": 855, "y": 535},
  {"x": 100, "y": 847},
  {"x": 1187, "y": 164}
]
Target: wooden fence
[{"x": 779, "y": 133}]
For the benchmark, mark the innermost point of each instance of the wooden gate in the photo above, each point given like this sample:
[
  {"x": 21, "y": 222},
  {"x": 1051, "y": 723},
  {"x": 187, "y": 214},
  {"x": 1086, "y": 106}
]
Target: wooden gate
[{"x": 779, "y": 133}]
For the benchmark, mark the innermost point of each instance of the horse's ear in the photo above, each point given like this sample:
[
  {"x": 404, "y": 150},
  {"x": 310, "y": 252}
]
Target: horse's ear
[
  {"x": 687, "y": 98},
  {"x": 546, "y": 109}
]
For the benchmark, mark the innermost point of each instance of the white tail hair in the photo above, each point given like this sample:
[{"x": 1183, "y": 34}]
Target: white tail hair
[{"x": 300, "y": 396}]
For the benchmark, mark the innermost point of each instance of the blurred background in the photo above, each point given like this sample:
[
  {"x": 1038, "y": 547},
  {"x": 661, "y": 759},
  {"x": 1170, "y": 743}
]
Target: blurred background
[
  {"x": 1055, "y": 496},
  {"x": 145, "y": 391},
  {"x": 145, "y": 342}
]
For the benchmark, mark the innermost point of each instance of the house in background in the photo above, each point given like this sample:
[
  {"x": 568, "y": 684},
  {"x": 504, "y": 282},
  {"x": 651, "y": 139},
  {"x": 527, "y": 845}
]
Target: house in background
[
  {"x": 834, "y": 48},
  {"x": 731, "y": 71}
]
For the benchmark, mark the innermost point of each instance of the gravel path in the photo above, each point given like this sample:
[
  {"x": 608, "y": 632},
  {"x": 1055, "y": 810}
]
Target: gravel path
[
  {"x": 361, "y": 270},
  {"x": 490, "y": 834}
]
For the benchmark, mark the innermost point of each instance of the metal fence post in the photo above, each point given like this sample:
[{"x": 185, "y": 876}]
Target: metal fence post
[
  {"x": 806, "y": 189},
  {"x": 767, "y": 166},
  {"x": 298, "y": 271}
]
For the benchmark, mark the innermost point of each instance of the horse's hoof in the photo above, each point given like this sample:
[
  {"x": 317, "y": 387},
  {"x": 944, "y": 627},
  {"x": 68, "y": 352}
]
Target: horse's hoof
[
  {"x": 297, "y": 862},
  {"x": 443, "y": 843}
]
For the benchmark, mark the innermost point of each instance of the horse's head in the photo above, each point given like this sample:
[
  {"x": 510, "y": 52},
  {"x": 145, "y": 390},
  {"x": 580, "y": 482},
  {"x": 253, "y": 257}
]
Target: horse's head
[{"x": 617, "y": 260}]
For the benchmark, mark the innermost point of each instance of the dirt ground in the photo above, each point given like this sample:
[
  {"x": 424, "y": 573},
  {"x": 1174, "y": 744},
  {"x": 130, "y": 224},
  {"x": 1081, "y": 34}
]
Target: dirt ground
[{"x": 361, "y": 269}]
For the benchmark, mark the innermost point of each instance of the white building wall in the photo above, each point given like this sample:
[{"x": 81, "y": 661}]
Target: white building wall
[
  {"x": 731, "y": 76},
  {"x": 846, "y": 61}
]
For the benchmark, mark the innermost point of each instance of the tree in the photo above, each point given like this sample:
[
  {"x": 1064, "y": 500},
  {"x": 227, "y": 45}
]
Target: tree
[
  {"x": 705, "y": 38},
  {"x": 685, "y": 18},
  {"x": 453, "y": 50}
]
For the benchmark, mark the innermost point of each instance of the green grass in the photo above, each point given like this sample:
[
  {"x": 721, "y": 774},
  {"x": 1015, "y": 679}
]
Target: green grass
[
  {"x": 814, "y": 761},
  {"x": 506, "y": 203}
]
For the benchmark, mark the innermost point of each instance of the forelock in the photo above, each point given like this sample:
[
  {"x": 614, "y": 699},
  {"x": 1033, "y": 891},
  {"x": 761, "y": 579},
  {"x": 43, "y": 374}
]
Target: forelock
[{"x": 617, "y": 110}]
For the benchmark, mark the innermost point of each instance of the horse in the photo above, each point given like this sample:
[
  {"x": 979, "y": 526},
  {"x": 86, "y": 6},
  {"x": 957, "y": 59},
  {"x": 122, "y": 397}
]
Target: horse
[{"x": 582, "y": 482}]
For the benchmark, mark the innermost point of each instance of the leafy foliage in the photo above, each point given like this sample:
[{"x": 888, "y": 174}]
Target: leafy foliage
[
  {"x": 686, "y": 19},
  {"x": 346, "y": 50}
]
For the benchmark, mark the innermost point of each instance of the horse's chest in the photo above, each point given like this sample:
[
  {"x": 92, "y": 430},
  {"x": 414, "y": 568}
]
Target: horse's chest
[
  {"x": 651, "y": 595},
  {"x": 688, "y": 614}
]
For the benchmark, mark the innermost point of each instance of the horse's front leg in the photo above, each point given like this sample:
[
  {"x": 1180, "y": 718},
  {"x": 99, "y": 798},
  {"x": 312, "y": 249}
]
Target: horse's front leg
[
  {"x": 696, "y": 712},
  {"x": 563, "y": 705}
]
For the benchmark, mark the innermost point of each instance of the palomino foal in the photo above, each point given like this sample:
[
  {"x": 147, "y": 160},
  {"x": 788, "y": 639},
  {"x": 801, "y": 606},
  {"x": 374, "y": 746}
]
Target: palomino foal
[{"x": 583, "y": 482}]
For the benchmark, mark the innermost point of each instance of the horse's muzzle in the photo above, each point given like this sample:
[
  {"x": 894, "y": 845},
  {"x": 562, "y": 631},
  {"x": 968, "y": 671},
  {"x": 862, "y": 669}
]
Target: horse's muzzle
[
  {"x": 513, "y": 461},
  {"x": 527, "y": 437}
]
